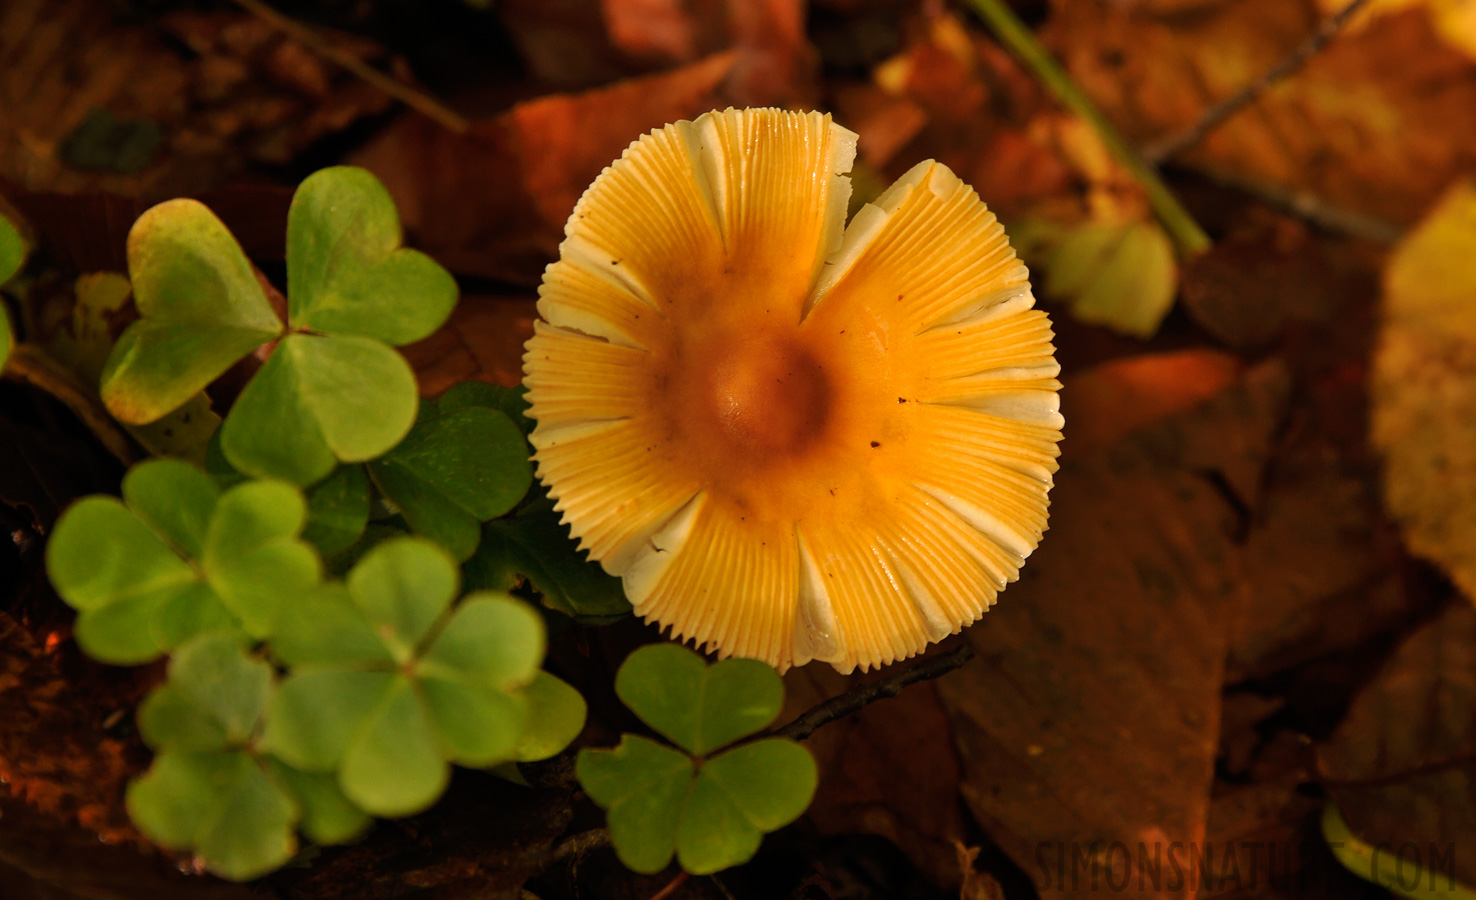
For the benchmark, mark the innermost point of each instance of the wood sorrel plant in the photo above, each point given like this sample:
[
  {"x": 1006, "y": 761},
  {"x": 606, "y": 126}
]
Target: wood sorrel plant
[{"x": 327, "y": 663}]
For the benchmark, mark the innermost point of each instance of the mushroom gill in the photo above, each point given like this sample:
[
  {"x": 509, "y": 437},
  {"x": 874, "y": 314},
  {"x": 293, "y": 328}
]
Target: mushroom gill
[{"x": 793, "y": 439}]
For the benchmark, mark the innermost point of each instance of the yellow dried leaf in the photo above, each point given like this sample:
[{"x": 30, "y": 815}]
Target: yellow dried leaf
[
  {"x": 1454, "y": 19},
  {"x": 1121, "y": 276},
  {"x": 1423, "y": 390}
]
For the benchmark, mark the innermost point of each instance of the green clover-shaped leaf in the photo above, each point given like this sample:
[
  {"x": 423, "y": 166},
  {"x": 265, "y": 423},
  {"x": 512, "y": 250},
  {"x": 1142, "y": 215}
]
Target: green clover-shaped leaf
[
  {"x": 328, "y": 817},
  {"x": 205, "y": 791},
  {"x": 209, "y": 791},
  {"x": 346, "y": 270},
  {"x": 511, "y": 402},
  {"x": 711, "y": 812},
  {"x": 390, "y": 683},
  {"x": 219, "y": 804},
  {"x": 332, "y": 388},
  {"x": 556, "y": 717},
  {"x": 697, "y": 706},
  {"x": 338, "y": 506},
  {"x": 337, "y": 391},
  {"x": 534, "y": 545},
  {"x": 457, "y": 468},
  {"x": 201, "y": 309},
  {"x": 213, "y": 699},
  {"x": 178, "y": 557},
  {"x": 318, "y": 400}
]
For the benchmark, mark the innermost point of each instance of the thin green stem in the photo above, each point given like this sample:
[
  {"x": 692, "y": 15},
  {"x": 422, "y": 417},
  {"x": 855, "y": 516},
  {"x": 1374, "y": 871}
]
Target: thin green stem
[{"x": 1186, "y": 234}]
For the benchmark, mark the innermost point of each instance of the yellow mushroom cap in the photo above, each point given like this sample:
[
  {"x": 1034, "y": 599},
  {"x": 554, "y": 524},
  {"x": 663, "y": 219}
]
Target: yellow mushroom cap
[{"x": 793, "y": 439}]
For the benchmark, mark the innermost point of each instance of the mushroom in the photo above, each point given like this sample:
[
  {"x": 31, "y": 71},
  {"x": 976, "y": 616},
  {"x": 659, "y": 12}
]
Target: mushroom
[{"x": 792, "y": 439}]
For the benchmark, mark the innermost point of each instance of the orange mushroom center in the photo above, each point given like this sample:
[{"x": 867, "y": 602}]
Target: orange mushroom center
[{"x": 772, "y": 399}]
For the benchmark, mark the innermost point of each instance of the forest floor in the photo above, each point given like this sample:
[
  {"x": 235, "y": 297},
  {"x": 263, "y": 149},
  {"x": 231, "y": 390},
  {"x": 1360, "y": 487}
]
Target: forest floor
[{"x": 1225, "y": 629}]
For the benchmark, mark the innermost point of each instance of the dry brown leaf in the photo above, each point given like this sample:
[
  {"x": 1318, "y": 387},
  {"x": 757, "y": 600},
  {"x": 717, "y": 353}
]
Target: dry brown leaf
[
  {"x": 482, "y": 341},
  {"x": 1264, "y": 278},
  {"x": 493, "y": 202},
  {"x": 1402, "y": 765},
  {"x": 889, "y": 770},
  {"x": 1378, "y": 122},
  {"x": 1325, "y": 569},
  {"x": 1455, "y": 19},
  {"x": 1107, "y": 403},
  {"x": 1423, "y": 390},
  {"x": 578, "y": 44},
  {"x": 1092, "y": 711},
  {"x": 224, "y": 89}
]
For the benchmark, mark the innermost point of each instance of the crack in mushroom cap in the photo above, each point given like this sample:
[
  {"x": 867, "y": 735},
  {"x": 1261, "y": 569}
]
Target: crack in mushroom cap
[{"x": 793, "y": 439}]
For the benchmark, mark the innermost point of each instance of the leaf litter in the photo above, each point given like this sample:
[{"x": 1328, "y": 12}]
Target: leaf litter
[{"x": 1224, "y": 626}]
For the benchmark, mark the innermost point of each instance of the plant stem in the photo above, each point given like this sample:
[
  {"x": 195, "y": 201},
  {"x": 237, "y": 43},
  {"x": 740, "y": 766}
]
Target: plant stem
[
  {"x": 857, "y": 698},
  {"x": 671, "y": 888},
  {"x": 418, "y": 100},
  {"x": 1213, "y": 117},
  {"x": 1186, "y": 234},
  {"x": 30, "y": 366}
]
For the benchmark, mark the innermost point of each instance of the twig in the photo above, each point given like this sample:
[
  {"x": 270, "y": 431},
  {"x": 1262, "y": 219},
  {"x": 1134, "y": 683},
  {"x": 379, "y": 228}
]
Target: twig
[
  {"x": 1187, "y": 236},
  {"x": 1309, "y": 207},
  {"x": 671, "y": 887},
  {"x": 853, "y": 700},
  {"x": 579, "y": 845},
  {"x": 429, "y": 106},
  {"x": 1213, "y": 117},
  {"x": 30, "y": 366}
]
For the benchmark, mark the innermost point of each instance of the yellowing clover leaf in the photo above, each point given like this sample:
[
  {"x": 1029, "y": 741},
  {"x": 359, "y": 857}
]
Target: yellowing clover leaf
[
  {"x": 390, "y": 683},
  {"x": 333, "y": 389},
  {"x": 711, "y": 811},
  {"x": 178, "y": 557}
]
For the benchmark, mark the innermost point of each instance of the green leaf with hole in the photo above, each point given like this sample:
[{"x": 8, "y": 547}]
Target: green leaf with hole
[
  {"x": 178, "y": 557},
  {"x": 390, "y": 683},
  {"x": 533, "y": 545},
  {"x": 346, "y": 270},
  {"x": 201, "y": 310},
  {"x": 696, "y": 706},
  {"x": 320, "y": 400},
  {"x": 183, "y": 434},
  {"x": 712, "y": 811},
  {"x": 456, "y": 469}
]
